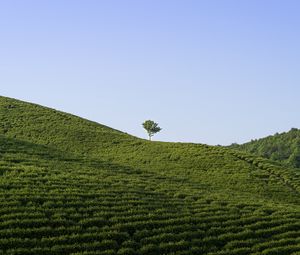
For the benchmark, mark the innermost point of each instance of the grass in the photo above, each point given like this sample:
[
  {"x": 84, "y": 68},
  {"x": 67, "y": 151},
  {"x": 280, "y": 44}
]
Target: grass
[{"x": 71, "y": 186}]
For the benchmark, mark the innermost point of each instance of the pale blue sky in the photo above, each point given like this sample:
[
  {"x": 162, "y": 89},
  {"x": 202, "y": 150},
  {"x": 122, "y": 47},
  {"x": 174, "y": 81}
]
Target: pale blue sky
[{"x": 208, "y": 71}]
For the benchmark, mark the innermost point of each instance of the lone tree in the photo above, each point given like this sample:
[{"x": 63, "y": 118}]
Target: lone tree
[{"x": 151, "y": 128}]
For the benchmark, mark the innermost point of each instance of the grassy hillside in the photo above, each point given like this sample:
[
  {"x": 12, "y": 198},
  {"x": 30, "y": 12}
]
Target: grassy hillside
[
  {"x": 71, "y": 186},
  {"x": 284, "y": 147}
]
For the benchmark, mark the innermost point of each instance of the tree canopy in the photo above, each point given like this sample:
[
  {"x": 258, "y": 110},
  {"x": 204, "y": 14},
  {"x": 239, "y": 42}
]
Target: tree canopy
[
  {"x": 284, "y": 147},
  {"x": 151, "y": 127}
]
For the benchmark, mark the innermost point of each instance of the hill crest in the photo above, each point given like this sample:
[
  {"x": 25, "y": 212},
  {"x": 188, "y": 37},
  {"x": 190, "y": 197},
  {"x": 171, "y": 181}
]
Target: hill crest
[{"x": 71, "y": 186}]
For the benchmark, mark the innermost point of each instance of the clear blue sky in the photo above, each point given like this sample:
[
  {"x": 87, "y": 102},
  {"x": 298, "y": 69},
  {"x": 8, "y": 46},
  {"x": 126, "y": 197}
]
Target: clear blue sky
[{"x": 208, "y": 71}]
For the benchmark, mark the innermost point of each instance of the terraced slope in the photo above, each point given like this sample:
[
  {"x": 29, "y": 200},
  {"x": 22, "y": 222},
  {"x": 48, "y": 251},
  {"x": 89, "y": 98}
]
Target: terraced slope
[{"x": 70, "y": 186}]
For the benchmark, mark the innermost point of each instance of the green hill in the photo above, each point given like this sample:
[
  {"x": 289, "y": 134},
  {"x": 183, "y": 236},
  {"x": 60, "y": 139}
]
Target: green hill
[
  {"x": 284, "y": 147},
  {"x": 71, "y": 186}
]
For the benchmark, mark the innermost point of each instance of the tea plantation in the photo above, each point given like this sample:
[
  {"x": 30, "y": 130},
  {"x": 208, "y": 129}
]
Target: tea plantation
[{"x": 72, "y": 186}]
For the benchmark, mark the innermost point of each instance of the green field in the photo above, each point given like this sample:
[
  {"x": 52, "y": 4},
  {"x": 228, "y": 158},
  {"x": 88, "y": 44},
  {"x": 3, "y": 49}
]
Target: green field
[{"x": 72, "y": 186}]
